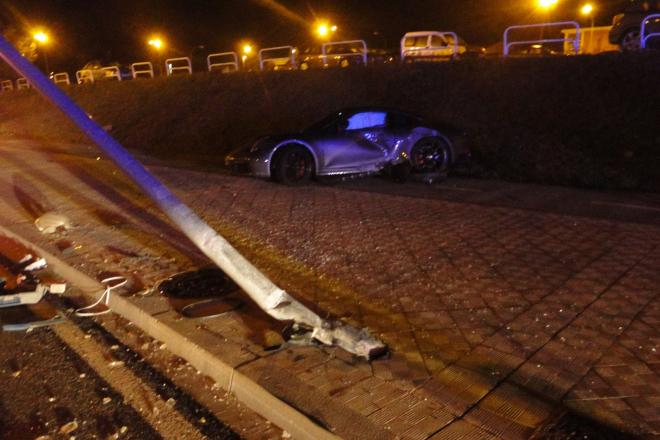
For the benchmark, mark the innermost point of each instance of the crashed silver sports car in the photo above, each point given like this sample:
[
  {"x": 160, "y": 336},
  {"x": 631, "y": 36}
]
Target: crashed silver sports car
[{"x": 354, "y": 141}]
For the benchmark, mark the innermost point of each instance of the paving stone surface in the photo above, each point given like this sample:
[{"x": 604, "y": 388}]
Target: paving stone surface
[{"x": 497, "y": 317}]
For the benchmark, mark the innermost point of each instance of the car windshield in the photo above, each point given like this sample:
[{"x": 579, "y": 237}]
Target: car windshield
[
  {"x": 419, "y": 41},
  {"x": 324, "y": 124}
]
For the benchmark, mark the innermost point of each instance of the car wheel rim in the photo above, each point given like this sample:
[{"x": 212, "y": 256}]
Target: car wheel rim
[
  {"x": 631, "y": 41},
  {"x": 429, "y": 156},
  {"x": 296, "y": 167}
]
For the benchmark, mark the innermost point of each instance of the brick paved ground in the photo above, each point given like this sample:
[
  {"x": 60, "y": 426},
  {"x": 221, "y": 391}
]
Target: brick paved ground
[{"x": 496, "y": 316}]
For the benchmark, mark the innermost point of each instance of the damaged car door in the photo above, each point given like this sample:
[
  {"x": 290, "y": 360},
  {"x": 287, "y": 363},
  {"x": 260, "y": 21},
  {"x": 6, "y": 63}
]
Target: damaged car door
[{"x": 357, "y": 145}]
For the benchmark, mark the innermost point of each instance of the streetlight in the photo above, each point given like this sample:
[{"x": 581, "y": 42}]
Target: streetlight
[
  {"x": 547, "y": 4},
  {"x": 324, "y": 30},
  {"x": 157, "y": 44},
  {"x": 587, "y": 10},
  {"x": 42, "y": 40},
  {"x": 247, "y": 49}
]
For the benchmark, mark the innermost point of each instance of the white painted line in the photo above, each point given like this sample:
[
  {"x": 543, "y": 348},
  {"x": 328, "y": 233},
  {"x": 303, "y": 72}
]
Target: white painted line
[{"x": 626, "y": 205}]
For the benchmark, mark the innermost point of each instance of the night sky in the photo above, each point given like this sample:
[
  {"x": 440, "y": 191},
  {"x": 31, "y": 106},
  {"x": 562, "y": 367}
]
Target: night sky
[{"x": 117, "y": 30}]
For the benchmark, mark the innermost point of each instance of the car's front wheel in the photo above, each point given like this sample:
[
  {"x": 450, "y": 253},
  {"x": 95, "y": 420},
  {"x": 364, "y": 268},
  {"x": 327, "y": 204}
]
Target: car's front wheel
[
  {"x": 430, "y": 155},
  {"x": 631, "y": 41},
  {"x": 293, "y": 165}
]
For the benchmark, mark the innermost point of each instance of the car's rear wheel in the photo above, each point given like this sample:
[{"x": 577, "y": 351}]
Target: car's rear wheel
[
  {"x": 293, "y": 165},
  {"x": 631, "y": 41},
  {"x": 430, "y": 155}
]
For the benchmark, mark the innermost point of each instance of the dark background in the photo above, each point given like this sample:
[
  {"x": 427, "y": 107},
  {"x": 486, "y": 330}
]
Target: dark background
[{"x": 117, "y": 30}]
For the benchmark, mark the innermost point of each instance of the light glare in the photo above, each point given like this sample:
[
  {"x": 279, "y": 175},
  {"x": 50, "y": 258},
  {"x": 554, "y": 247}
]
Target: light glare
[
  {"x": 41, "y": 37},
  {"x": 156, "y": 43},
  {"x": 587, "y": 9},
  {"x": 547, "y": 4}
]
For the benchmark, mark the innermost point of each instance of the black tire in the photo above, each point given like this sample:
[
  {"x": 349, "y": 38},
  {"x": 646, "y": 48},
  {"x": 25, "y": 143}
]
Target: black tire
[
  {"x": 631, "y": 41},
  {"x": 293, "y": 165},
  {"x": 430, "y": 155}
]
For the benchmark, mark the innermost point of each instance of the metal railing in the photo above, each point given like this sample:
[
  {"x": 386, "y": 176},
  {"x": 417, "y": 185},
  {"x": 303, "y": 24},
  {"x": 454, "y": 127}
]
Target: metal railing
[
  {"x": 361, "y": 43},
  {"x": 644, "y": 37},
  {"x": 112, "y": 72},
  {"x": 7, "y": 85},
  {"x": 220, "y": 62},
  {"x": 84, "y": 76},
  {"x": 22, "y": 84},
  {"x": 142, "y": 69},
  {"x": 265, "y": 57},
  {"x": 560, "y": 24},
  {"x": 62, "y": 78},
  {"x": 173, "y": 66}
]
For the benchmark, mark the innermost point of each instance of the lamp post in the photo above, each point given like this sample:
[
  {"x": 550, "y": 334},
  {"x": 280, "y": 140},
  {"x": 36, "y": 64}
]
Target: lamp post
[
  {"x": 42, "y": 40},
  {"x": 587, "y": 10},
  {"x": 546, "y": 7},
  {"x": 247, "y": 49},
  {"x": 157, "y": 44}
]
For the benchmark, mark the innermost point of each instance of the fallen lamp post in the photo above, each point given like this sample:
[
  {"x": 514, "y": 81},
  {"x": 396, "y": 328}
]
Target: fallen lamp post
[{"x": 273, "y": 300}]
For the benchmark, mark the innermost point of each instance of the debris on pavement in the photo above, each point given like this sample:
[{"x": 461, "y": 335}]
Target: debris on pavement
[
  {"x": 111, "y": 283},
  {"x": 21, "y": 291},
  {"x": 51, "y": 222}
]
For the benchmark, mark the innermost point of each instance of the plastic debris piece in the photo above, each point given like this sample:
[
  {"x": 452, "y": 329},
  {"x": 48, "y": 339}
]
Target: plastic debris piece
[
  {"x": 69, "y": 427},
  {"x": 22, "y": 298},
  {"x": 57, "y": 288},
  {"x": 35, "y": 265},
  {"x": 50, "y": 222}
]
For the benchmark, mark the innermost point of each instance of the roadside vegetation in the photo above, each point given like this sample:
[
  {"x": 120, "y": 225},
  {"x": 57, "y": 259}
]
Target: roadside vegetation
[{"x": 582, "y": 121}]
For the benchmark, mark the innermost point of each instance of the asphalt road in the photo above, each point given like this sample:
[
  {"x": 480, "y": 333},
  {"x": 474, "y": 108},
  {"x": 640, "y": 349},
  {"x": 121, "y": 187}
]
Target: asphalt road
[{"x": 47, "y": 389}]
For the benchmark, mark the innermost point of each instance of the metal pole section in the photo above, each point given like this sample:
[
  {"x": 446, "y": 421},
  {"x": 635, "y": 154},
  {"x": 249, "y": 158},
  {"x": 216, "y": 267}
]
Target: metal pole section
[{"x": 275, "y": 301}]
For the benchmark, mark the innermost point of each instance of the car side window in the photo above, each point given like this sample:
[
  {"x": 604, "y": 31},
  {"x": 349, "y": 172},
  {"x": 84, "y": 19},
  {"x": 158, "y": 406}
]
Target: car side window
[
  {"x": 398, "y": 121},
  {"x": 365, "y": 120},
  {"x": 438, "y": 41}
]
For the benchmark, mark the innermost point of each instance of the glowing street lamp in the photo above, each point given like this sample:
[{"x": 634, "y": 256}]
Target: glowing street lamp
[
  {"x": 324, "y": 30},
  {"x": 547, "y": 4},
  {"x": 41, "y": 37},
  {"x": 587, "y": 9},
  {"x": 156, "y": 43},
  {"x": 247, "y": 49}
]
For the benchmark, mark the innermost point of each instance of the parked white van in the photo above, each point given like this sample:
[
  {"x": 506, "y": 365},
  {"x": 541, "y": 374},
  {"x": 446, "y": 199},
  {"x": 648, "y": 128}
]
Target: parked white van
[{"x": 431, "y": 46}]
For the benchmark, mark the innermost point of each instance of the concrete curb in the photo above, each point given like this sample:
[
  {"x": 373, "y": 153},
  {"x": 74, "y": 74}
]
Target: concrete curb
[{"x": 247, "y": 391}]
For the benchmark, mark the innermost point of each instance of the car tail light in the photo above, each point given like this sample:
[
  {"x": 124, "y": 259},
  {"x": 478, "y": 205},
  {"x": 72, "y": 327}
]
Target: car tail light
[{"x": 617, "y": 19}]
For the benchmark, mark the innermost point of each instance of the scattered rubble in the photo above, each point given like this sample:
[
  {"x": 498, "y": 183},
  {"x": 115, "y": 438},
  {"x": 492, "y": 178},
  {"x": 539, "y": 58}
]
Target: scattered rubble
[{"x": 51, "y": 222}]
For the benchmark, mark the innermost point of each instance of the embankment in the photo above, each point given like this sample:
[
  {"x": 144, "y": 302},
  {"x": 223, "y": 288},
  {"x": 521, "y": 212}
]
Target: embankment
[{"x": 586, "y": 121}]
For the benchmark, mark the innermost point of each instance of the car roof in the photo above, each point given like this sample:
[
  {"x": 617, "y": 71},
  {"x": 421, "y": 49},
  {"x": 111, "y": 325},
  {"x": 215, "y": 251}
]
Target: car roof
[{"x": 422, "y": 33}]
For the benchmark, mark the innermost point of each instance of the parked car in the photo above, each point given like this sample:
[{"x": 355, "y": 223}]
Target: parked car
[
  {"x": 626, "y": 26},
  {"x": 431, "y": 46},
  {"x": 354, "y": 141}
]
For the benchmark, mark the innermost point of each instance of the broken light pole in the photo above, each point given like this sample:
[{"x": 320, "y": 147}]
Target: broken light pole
[{"x": 275, "y": 301}]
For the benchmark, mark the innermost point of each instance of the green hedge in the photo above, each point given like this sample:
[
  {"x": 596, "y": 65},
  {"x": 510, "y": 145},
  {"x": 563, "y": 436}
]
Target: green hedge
[{"x": 586, "y": 121}]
